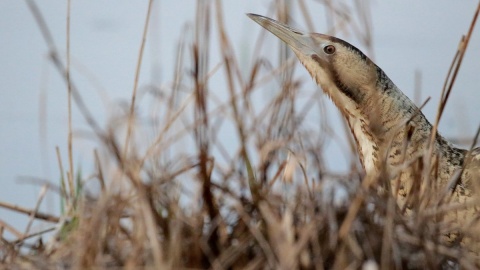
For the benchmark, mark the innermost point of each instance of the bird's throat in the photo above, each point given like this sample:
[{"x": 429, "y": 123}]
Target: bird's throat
[{"x": 366, "y": 143}]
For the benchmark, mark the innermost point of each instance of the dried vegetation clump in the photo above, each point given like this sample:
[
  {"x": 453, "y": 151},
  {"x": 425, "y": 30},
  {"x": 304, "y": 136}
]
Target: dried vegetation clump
[{"x": 259, "y": 198}]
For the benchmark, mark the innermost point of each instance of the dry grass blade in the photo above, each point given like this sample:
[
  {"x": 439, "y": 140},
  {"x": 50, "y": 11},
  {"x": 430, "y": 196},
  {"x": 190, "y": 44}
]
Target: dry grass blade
[
  {"x": 70, "y": 172},
  {"x": 452, "y": 73},
  {"x": 36, "y": 214},
  {"x": 61, "y": 68},
  {"x": 11, "y": 229},
  {"x": 131, "y": 114}
]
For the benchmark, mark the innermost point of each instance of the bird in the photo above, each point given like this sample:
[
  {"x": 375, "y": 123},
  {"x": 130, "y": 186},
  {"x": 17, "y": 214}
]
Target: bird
[{"x": 388, "y": 128}]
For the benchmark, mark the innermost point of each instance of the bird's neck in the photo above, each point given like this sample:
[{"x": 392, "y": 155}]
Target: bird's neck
[{"x": 389, "y": 126}]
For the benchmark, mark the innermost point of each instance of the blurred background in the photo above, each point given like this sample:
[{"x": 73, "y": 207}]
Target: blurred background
[{"x": 414, "y": 42}]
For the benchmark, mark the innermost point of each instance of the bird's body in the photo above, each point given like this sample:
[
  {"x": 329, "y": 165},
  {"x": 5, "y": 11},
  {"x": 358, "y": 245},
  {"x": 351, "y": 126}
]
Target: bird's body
[{"x": 389, "y": 129}]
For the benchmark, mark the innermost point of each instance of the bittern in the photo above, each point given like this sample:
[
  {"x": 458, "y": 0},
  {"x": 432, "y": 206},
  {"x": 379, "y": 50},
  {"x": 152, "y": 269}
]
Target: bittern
[{"x": 388, "y": 128}]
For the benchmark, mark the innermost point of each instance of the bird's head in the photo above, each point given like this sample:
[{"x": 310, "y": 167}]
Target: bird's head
[{"x": 347, "y": 75}]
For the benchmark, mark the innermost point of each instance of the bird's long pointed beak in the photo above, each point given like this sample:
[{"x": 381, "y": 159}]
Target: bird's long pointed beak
[{"x": 299, "y": 41}]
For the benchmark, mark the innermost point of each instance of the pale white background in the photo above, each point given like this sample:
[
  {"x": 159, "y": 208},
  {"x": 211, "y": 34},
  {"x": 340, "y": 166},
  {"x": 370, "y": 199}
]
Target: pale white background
[{"x": 105, "y": 38}]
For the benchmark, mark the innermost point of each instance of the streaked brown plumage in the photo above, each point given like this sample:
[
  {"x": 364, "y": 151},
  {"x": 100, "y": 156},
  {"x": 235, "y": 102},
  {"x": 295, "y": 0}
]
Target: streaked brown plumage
[{"x": 385, "y": 123}]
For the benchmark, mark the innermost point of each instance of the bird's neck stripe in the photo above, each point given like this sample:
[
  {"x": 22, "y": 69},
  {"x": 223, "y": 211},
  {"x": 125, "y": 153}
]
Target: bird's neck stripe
[{"x": 350, "y": 93}]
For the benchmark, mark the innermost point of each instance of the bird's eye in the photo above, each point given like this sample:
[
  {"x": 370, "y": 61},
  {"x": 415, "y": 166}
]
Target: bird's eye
[{"x": 329, "y": 49}]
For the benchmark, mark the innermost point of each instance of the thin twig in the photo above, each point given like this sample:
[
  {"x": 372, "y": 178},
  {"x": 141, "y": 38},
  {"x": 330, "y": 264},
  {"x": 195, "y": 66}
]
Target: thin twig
[
  {"x": 137, "y": 77},
  {"x": 43, "y": 192},
  {"x": 11, "y": 229},
  {"x": 36, "y": 214},
  {"x": 23, "y": 238},
  {"x": 455, "y": 66},
  {"x": 54, "y": 56},
  {"x": 69, "y": 86},
  {"x": 63, "y": 188},
  {"x": 99, "y": 170}
]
